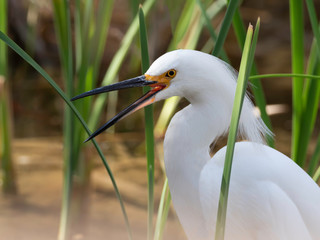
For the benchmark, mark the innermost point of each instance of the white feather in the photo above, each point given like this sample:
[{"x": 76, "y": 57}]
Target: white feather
[{"x": 270, "y": 196}]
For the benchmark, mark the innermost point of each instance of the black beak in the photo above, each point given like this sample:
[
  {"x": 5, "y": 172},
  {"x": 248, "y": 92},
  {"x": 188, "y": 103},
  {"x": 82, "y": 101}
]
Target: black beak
[
  {"x": 143, "y": 101},
  {"x": 130, "y": 83}
]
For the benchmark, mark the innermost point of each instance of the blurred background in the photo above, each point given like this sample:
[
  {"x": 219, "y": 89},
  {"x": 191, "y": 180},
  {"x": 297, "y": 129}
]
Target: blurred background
[{"x": 30, "y": 209}]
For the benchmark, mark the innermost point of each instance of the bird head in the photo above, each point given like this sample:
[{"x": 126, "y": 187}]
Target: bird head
[{"x": 191, "y": 74}]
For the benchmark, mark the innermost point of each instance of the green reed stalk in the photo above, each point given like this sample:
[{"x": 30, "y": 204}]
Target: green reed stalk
[
  {"x": 171, "y": 104},
  {"x": 148, "y": 116},
  {"x": 257, "y": 89},
  {"x": 311, "y": 97},
  {"x": 63, "y": 28},
  {"x": 311, "y": 91},
  {"x": 225, "y": 26},
  {"x": 6, "y": 161},
  {"x": 297, "y": 56},
  {"x": 245, "y": 69},
  {"x": 116, "y": 64},
  {"x": 277, "y": 75},
  {"x": 212, "y": 32},
  {"x": 163, "y": 210},
  {"x": 315, "y": 160},
  {"x": 91, "y": 27},
  {"x": 65, "y": 98}
]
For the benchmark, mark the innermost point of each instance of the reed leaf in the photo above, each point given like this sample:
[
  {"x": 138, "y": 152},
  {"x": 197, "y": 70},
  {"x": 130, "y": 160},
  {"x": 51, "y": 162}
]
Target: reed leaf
[
  {"x": 257, "y": 89},
  {"x": 171, "y": 104},
  {"x": 163, "y": 210},
  {"x": 6, "y": 161},
  {"x": 65, "y": 98},
  {"x": 226, "y": 23},
  {"x": 297, "y": 56},
  {"x": 63, "y": 29},
  {"x": 116, "y": 64},
  {"x": 148, "y": 116},
  {"x": 212, "y": 32},
  {"x": 314, "y": 161},
  {"x": 182, "y": 24},
  {"x": 245, "y": 69},
  {"x": 311, "y": 91},
  {"x": 277, "y": 75},
  {"x": 311, "y": 97}
]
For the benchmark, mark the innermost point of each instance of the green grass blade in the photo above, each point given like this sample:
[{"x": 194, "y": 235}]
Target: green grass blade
[
  {"x": 91, "y": 27},
  {"x": 232, "y": 6},
  {"x": 182, "y": 25},
  {"x": 212, "y": 32},
  {"x": 3, "y": 27},
  {"x": 314, "y": 22},
  {"x": 164, "y": 207},
  {"x": 311, "y": 97},
  {"x": 116, "y": 64},
  {"x": 277, "y": 75},
  {"x": 101, "y": 29},
  {"x": 171, "y": 104},
  {"x": 6, "y": 163},
  {"x": 40, "y": 70},
  {"x": 148, "y": 116},
  {"x": 315, "y": 161},
  {"x": 245, "y": 68},
  {"x": 257, "y": 89},
  {"x": 311, "y": 91},
  {"x": 175, "y": 11},
  {"x": 134, "y": 6},
  {"x": 316, "y": 175},
  {"x": 297, "y": 56},
  {"x": 63, "y": 28}
]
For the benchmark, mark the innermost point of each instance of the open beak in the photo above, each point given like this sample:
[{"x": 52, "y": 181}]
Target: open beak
[{"x": 143, "y": 101}]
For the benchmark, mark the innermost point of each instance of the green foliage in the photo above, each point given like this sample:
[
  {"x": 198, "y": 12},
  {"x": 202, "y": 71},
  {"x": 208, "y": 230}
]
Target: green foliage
[
  {"x": 7, "y": 176},
  {"x": 226, "y": 23},
  {"x": 297, "y": 52},
  {"x": 257, "y": 89},
  {"x": 148, "y": 113},
  {"x": 81, "y": 63},
  {"x": 245, "y": 69},
  {"x": 59, "y": 91}
]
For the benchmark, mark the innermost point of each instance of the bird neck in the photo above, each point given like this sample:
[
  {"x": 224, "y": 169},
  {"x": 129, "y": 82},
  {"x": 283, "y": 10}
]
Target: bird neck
[
  {"x": 186, "y": 151},
  {"x": 189, "y": 135}
]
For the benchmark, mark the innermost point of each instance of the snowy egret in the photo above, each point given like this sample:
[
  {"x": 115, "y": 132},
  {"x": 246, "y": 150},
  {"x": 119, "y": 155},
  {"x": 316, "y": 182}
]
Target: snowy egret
[{"x": 270, "y": 197}]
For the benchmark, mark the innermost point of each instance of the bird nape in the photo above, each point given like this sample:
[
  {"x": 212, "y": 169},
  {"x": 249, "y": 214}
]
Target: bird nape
[{"x": 270, "y": 197}]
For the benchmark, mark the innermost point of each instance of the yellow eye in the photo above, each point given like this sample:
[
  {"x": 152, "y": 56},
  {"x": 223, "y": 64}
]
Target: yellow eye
[{"x": 171, "y": 73}]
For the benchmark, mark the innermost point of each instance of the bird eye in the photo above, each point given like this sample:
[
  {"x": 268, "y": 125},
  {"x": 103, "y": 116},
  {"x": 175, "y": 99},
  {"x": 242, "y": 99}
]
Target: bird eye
[{"x": 171, "y": 73}]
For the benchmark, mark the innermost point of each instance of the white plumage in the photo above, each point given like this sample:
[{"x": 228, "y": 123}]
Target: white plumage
[{"x": 270, "y": 197}]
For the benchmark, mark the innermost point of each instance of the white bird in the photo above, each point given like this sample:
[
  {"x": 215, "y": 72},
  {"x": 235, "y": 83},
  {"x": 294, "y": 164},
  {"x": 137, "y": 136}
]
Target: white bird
[{"x": 270, "y": 197}]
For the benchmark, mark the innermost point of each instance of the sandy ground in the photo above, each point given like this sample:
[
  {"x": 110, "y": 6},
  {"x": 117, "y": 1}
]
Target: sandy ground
[{"x": 34, "y": 213}]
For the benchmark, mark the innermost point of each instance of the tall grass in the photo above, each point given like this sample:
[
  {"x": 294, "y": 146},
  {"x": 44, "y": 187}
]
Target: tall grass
[
  {"x": 148, "y": 113},
  {"x": 59, "y": 91},
  {"x": 81, "y": 64},
  {"x": 7, "y": 176},
  {"x": 91, "y": 27},
  {"x": 297, "y": 56},
  {"x": 63, "y": 28},
  {"x": 306, "y": 91},
  {"x": 257, "y": 89},
  {"x": 244, "y": 72}
]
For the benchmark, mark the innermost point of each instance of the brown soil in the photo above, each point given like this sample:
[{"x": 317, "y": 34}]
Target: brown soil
[{"x": 34, "y": 213}]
